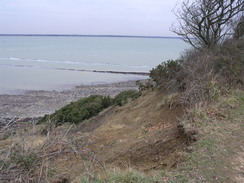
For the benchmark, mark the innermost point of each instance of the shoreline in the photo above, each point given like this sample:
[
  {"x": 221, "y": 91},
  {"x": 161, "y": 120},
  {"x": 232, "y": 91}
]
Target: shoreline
[
  {"x": 109, "y": 72},
  {"x": 34, "y": 104},
  {"x": 123, "y": 77}
]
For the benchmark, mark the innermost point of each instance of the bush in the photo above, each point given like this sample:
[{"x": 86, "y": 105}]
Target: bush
[
  {"x": 125, "y": 96},
  {"x": 202, "y": 75},
  {"x": 165, "y": 72},
  {"x": 76, "y": 112},
  {"x": 86, "y": 108},
  {"x": 230, "y": 63},
  {"x": 25, "y": 159},
  {"x": 239, "y": 29}
]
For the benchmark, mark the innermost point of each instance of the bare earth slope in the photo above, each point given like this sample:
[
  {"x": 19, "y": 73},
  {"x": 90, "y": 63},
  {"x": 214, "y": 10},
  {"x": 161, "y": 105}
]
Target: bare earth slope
[{"x": 142, "y": 135}]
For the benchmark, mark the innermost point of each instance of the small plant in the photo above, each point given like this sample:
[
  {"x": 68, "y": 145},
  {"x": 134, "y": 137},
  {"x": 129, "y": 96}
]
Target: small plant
[
  {"x": 27, "y": 161},
  {"x": 124, "y": 176},
  {"x": 145, "y": 85}
]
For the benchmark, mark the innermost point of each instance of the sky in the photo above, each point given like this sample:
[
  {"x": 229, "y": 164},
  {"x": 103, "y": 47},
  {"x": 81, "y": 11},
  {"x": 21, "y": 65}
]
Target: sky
[{"x": 89, "y": 17}]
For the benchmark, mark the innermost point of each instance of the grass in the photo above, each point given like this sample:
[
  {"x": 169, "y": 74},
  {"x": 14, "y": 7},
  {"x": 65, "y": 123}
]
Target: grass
[
  {"x": 124, "y": 176},
  {"x": 211, "y": 158},
  {"x": 221, "y": 132},
  {"x": 220, "y": 126}
]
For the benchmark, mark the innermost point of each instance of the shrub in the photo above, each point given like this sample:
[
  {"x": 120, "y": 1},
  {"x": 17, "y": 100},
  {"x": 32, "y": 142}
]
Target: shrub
[
  {"x": 123, "y": 97},
  {"x": 239, "y": 29},
  {"x": 230, "y": 62},
  {"x": 24, "y": 159},
  {"x": 145, "y": 85},
  {"x": 165, "y": 71},
  {"x": 202, "y": 75},
  {"x": 84, "y": 108}
]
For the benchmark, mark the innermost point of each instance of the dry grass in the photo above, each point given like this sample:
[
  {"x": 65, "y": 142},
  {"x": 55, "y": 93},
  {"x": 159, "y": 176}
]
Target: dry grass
[
  {"x": 214, "y": 155},
  {"x": 139, "y": 134}
]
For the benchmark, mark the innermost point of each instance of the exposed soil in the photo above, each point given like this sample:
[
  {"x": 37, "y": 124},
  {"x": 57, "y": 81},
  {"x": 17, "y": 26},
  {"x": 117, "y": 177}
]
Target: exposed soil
[{"x": 143, "y": 135}]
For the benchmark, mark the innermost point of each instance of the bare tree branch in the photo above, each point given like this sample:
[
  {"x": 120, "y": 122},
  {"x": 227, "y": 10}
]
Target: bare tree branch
[{"x": 205, "y": 23}]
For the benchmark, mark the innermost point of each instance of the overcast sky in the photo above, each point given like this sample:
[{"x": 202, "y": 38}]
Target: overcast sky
[{"x": 98, "y": 17}]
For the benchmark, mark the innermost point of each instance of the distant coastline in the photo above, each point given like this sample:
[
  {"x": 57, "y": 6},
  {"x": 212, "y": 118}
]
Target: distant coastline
[{"x": 80, "y": 35}]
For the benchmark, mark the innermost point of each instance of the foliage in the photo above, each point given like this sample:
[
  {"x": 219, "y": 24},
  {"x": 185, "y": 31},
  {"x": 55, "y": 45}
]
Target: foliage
[
  {"x": 125, "y": 96},
  {"x": 205, "y": 23},
  {"x": 26, "y": 161},
  {"x": 145, "y": 85},
  {"x": 230, "y": 61},
  {"x": 166, "y": 72},
  {"x": 239, "y": 29},
  {"x": 88, "y": 107},
  {"x": 76, "y": 112},
  {"x": 202, "y": 75}
]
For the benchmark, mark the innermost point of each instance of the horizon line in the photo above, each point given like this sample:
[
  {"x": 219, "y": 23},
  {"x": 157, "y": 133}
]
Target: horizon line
[{"x": 91, "y": 35}]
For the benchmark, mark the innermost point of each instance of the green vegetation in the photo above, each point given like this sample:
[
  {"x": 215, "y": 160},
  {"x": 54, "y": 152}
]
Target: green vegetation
[
  {"x": 166, "y": 71},
  {"x": 26, "y": 162},
  {"x": 211, "y": 157},
  {"x": 125, "y": 96},
  {"x": 206, "y": 82},
  {"x": 203, "y": 75},
  {"x": 76, "y": 112},
  {"x": 85, "y": 108},
  {"x": 126, "y": 176}
]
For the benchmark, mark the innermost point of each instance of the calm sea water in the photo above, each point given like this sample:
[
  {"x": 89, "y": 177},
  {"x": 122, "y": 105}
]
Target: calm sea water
[{"x": 43, "y": 63}]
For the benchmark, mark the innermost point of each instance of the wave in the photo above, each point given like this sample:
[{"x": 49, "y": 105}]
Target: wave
[
  {"x": 40, "y": 60},
  {"x": 22, "y": 66},
  {"x": 59, "y": 61},
  {"x": 77, "y": 63}
]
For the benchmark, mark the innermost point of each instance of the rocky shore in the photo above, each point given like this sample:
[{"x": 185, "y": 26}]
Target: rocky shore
[{"x": 34, "y": 104}]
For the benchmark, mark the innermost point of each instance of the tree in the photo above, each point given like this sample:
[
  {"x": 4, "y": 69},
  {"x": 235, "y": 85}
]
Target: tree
[
  {"x": 239, "y": 28},
  {"x": 205, "y": 23}
]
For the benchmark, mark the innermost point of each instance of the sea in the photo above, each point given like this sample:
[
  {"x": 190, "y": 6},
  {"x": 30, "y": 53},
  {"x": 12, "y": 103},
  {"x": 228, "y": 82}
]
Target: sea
[{"x": 62, "y": 62}]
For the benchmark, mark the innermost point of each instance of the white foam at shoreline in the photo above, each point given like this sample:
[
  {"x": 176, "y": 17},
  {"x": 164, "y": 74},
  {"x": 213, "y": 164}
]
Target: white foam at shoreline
[{"x": 76, "y": 62}]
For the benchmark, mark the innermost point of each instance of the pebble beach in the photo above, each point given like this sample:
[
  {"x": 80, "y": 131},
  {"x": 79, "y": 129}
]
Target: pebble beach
[{"x": 34, "y": 104}]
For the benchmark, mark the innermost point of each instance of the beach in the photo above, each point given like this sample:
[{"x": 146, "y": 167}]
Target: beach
[
  {"x": 46, "y": 67},
  {"x": 35, "y": 104}
]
